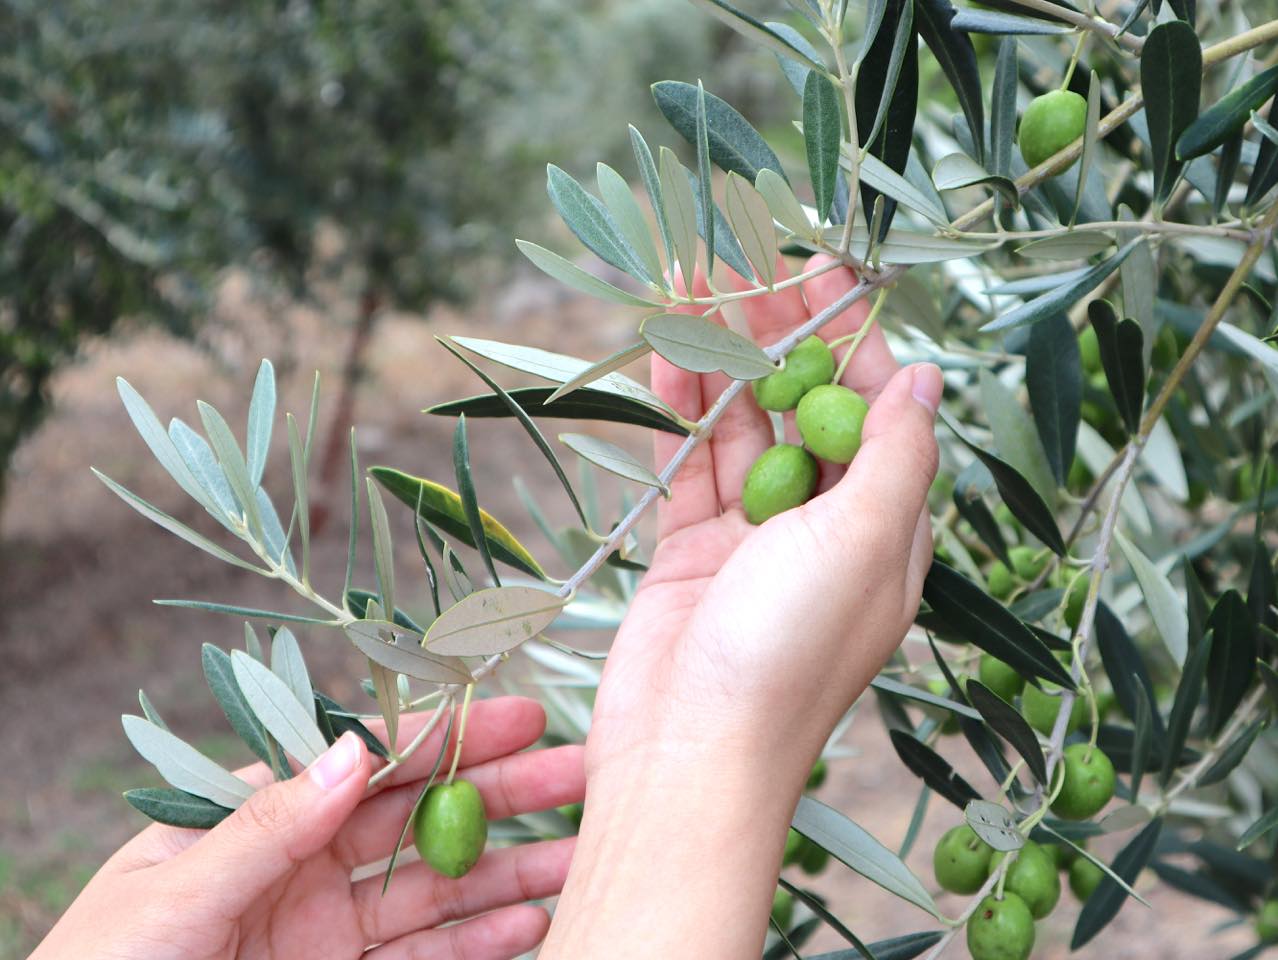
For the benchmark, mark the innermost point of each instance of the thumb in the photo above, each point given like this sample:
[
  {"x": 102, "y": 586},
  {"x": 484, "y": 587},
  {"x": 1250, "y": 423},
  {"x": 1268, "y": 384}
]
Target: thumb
[
  {"x": 886, "y": 486},
  {"x": 280, "y": 826}
]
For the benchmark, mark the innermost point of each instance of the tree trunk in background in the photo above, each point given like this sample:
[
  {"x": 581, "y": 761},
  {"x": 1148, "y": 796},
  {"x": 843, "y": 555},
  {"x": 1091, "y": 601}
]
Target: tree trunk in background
[{"x": 335, "y": 455}]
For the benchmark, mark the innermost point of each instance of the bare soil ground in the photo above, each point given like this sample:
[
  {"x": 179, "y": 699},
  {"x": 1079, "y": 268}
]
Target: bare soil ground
[{"x": 79, "y": 635}]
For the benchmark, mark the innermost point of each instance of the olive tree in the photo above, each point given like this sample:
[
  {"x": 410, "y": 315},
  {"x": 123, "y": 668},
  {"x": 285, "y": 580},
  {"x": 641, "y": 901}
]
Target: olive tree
[{"x": 1097, "y": 282}]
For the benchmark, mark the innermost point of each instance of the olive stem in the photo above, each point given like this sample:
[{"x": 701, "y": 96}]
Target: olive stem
[
  {"x": 860, "y": 333},
  {"x": 461, "y": 732},
  {"x": 397, "y": 760},
  {"x": 1073, "y": 61},
  {"x": 847, "y": 81}
]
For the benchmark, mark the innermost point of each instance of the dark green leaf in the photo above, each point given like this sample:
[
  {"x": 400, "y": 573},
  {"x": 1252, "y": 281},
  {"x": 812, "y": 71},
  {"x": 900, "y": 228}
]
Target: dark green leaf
[
  {"x": 652, "y": 183},
  {"x": 1010, "y": 725},
  {"x": 905, "y": 947},
  {"x": 1171, "y": 79},
  {"x": 177, "y": 808},
  {"x": 894, "y": 687},
  {"x": 970, "y": 614},
  {"x": 1019, "y": 495},
  {"x": 1232, "y": 755},
  {"x": 469, "y": 500},
  {"x": 887, "y": 89},
  {"x": 830, "y": 920},
  {"x": 247, "y": 612},
  {"x": 438, "y": 505},
  {"x": 1262, "y": 590},
  {"x": 976, "y": 20},
  {"x": 357, "y": 603},
  {"x": 1264, "y": 173},
  {"x": 1226, "y": 170},
  {"x": 592, "y": 224},
  {"x": 581, "y": 404},
  {"x": 953, "y": 50},
  {"x": 1119, "y": 744},
  {"x": 735, "y": 146},
  {"x": 412, "y": 814},
  {"x": 1232, "y": 666},
  {"x": 1003, "y": 109},
  {"x": 703, "y": 176},
  {"x": 1188, "y": 693},
  {"x": 853, "y": 846},
  {"x": 341, "y": 720},
  {"x": 221, "y": 680},
  {"x": 956, "y": 171},
  {"x": 1196, "y": 883},
  {"x": 1054, "y": 378},
  {"x": 1227, "y": 116},
  {"x": 1122, "y": 351},
  {"x": 1104, "y": 903},
  {"x": 1063, "y": 296},
  {"x": 969, "y": 486},
  {"x": 1143, "y": 740},
  {"x": 926, "y": 763},
  {"x": 1258, "y": 829},
  {"x": 822, "y": 132}
]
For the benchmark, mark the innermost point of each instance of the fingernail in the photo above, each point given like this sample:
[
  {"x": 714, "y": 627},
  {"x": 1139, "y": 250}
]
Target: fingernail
[
  {"x": 337, "y": 762},
  {"x": 926, "y": 386}
]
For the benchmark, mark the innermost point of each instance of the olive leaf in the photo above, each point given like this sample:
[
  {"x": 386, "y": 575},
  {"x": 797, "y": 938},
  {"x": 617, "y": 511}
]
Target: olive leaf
[
  {"x": 681, "y": 205},
  {"x": 399, "y": 651},
  {"x": 782, "y": 203},
  {"x": 1171, "y": 80},
  {"x": 734, "y": 145},
  {"x": 182, "y": 765},
  {"x": 1075, "y": 245},
  {"x": 652, "y": 184},
  {"x": 748, "y": 26},
  {"x": 290, "y": 722},
  {"x": 1227, "y": 116},
  {"x": 1054, "y": 379},
  {"x": 703, "y": 346},
  {"x": 261, "y": 416},
  {"x": 623, "y": 206},
  {"x": 927, "y": 764},
  {"x": 751, "y": 219},
  {"x": 822, "y": 133},
  {"x": 1165, "y": 608},
  {"x": 996, "y": 22},
  {"x": 1231, "y": 668},
  {"x": 612, "y": 458},
  {"x": 1015, "y": 435},
  {"x": 581, "y": 404},
  {"x": 571, "y": 275},
  {"x": 177, "y": 808},
  {"x": 593, "y": 225},
  {"x": 492, "y": 621},
  {"x": 705, "y": 199},
  {"x": 953, "y": 50},
  {"x": 955, "y": 171},
  {"x": 1104, "y": 903},
  {"x": 1010, "y": 725},
  {"x": 1072, "y": 288},
  {"x": 993, "y": 824},
  {"x": 220, "y": 676}
]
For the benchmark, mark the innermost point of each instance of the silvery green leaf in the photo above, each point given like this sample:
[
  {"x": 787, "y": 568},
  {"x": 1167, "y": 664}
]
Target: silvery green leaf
[
  {"x": 1029, "y": 286},
  {"x": 1165, "y": 608},
  {"x": 592, "y": 224},
  {"x": 403, "y": 653},
  {"x": 231, "y": 460},
  {"x": 559, "y": 368},
  {"x": 1074, "y": 245},
  {"x": 288, "y": 664},
  {"x": 174, "y": 527},
  {"x": 1139, "y": 279},
  {"x": 261, "y": 416},
  {"x": 569, "y": 274},
  {"x": 625, "y": 211},
  {"x": 976, "y": 20},
  {"x": 874, "y": 13},
  {"x": 652, "y": 183},
  {"x": 273, "y": 536},
  {"x": 796, "y": 74},
  {"x": 855, "y": 847},
  {"x": 277, "y": 707},
  {"x": 1015, "y": 435},
  {"x": 149, "y": 711},
  {"x": 993, "y": 824},
  {"x": 385, "y": 681},
  {"x": 752, "y": 222},
  {"x": 907, "y": 247},
  {"x": 623, "y": 357},
  {"x": 748, "y": 26},
  {"x": 681, "y": 208},
  {"x": 1090, "y": 138},
  {"x": 887, "y": 181},
  {"x": 252, "y": 644},
  {"x": 913, "y": 304},
  {"x": 301, "y": 500},
  {"x": 353, "y": 540},
  {"x": 955, "y": 171},
  {"x": 1063, "y": 297},
  {"x": 703, "y": 346},
  {"x": 1253, "y": 346},
  {"x": 183, "y": 766},
  {"x": 152, "y": 433},
  {"x": 383, "y": 555},
  {"x": 492, "y": 621},
  {"x": 610, "y": 457},
  {"x": 705, "y": 198},
  {"x": 196, "y": 453},
  {"x": 735, "y": 146},
  {"x": 220, "y": 676},
  {"x": 782, "y": 203},
  {"x": 1161, "y": 457},
  {"x": 726, "y": 247},
  {"x": 249, "y": 612}
]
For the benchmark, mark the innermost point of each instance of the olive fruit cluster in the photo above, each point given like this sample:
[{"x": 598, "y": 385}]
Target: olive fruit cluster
[
  {"x": 829, "y": 419},
  {"x": 451, "y": 828}
]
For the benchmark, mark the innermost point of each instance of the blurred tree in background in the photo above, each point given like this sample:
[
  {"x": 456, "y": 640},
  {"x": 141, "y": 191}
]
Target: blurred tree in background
[{"x": 148, "y": 145}]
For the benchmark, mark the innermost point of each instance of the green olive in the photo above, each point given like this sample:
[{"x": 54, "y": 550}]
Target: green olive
[
  {"x": 1089, "y": 351},
  {"x": 1000, "y": 581},
  {"x": 795, "y": 844},
  {"x": 961, "y": 860},
  {"x": 817, "y": 776},
  {"x": 814, "y": 858},
  {"x": 1050, "y": 124},
  {"x": 1040, "y": 708},
  {"x": 1027, "y": 563},
  {"x": 999, "y": 677},
  {"x": 782, "y": 909},
  {"x": 808, "y": 365},
  {"x": 450, "y": 829},
  {"x": 1001, "y": 929},
  {"x": 1084, "y": 877},
  {"x": 783, "y": 477},
  {"x": 1088, "y": 783},
  {"x": 829, "y": 419},
  {"x": 1033, "y": 877},
  {"x": 1267, "y": 922},
  {"x": 1075, "y": 600},
  {"x": 949, "y": 721}
]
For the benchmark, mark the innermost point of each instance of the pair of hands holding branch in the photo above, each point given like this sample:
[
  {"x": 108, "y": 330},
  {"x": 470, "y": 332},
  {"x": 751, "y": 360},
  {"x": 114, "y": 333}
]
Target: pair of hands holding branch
[{"x": 742, "y": 648}]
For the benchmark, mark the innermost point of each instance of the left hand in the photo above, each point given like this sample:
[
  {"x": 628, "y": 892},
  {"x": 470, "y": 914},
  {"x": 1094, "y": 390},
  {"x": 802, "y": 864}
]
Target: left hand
[{"x": 273, "y": 880}]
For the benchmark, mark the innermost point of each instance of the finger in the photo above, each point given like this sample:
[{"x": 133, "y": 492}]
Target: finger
[
  {"x": 878, "y": 502},
  {"x": 500, "y": 935},
  {"x": 693, "y": 496},
  {"x": 419, "y": 897},
  {"x": 523, "y": 783},
  {"x": 277, "y": 828},
  {"x": 920, "y": 560},
  {"x": 494, "y": 728},
  {"x": 873, "y": 364},
  {"x": 770, "y": 318}
]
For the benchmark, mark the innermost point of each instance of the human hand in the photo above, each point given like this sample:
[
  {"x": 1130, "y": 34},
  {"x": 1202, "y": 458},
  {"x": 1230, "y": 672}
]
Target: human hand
[
  {"x": 735, "y": 627},
  {"x": 273, "y": 880}
]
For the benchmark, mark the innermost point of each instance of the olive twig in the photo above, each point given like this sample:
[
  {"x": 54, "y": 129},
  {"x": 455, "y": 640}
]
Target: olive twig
[
  {"x": 461, "y": 732},
  {"x": 397, "y": 760},
  {"x": 860, "y": 333}
]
